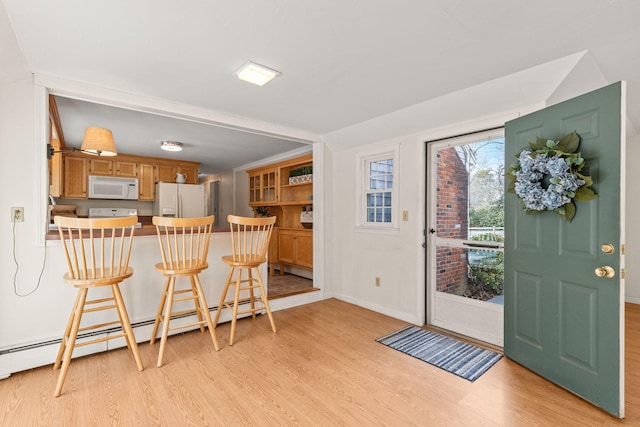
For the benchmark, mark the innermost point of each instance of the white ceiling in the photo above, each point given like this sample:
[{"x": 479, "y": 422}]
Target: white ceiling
[
  {"x": 218, "y": 149},
  {"x": 342, "y": 62}
]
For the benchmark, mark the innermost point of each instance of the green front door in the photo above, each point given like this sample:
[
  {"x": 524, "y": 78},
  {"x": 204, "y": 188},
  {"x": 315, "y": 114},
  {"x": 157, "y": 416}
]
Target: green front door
[{"x": 562, "y": 321}]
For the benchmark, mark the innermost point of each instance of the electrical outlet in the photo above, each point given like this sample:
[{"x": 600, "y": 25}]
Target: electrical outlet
[
  {"x": 17, "y": 214},
  {"x": 378, "y": 281}
]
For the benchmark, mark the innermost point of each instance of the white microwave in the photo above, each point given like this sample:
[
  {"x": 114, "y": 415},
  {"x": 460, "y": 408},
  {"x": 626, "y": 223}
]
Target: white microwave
[{"x": 114, "y": 188}]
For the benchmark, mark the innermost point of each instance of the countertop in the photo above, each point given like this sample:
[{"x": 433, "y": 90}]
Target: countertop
[{"x": 145, "y": 230}]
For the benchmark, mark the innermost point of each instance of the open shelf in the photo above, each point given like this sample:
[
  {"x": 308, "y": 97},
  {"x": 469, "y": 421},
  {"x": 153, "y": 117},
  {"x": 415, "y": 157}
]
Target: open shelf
[
  {"x": 302, "y": 184},
  {"x": 297, "y": 203}
]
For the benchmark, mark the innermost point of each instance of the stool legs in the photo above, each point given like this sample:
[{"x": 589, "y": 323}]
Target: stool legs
[
  {"x": 126, "y": 325},
  {"x": 205, "y": 311},
  {"x": 165, "y": 310},
  {"x": 252, "y": 283},
  {"x": 167, "y": 318},
  {"x": 69, "y": 340},
  {"x": 265, "y": 301},
  {"x": 163, "y": 299},
  {"x": 68, "y": 343}
]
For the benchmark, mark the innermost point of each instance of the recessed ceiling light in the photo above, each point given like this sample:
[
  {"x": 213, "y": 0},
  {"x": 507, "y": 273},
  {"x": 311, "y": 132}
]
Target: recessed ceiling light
[
  {"x": 171, "y": 145},
  {"x": 257, "y": 74}
]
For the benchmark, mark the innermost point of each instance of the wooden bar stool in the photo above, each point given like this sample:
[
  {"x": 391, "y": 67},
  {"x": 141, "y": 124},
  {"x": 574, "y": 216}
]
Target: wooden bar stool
[
  {"x": 249, "y": 243},
  {"x": 184, "y": 245},
  {"x": 97, "y": 253}
]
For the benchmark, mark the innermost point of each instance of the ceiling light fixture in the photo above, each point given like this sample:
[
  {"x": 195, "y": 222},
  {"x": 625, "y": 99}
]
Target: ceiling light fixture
[
  {"x": 97, "y": 141},
  {"x": 257, "y": 74},
  {"x": 171, "y": 145}
]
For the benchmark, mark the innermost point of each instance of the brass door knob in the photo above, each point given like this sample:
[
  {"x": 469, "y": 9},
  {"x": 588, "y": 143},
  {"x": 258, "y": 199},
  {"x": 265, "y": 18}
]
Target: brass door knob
[
  {"x": 607, "y": 248},
  {"x": 606, "y": 272}
]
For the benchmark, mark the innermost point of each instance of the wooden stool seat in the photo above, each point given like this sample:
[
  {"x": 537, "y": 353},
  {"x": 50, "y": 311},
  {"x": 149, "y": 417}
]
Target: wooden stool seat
[
  {"x": 181, "y": 271},
  {"x": 97, "y": 253},
  {"x": 184, "y": 245},
  {"x": 229, "y": 260},
  {"x": 249, "y": 243}
]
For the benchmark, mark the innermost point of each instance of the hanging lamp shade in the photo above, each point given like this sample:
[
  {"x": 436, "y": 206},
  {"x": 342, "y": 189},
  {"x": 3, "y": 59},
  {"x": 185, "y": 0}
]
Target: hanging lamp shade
[{"x": 99, "y": 142}]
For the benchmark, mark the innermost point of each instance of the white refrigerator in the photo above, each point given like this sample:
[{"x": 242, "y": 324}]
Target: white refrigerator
[{"x": 180, "y": 200}]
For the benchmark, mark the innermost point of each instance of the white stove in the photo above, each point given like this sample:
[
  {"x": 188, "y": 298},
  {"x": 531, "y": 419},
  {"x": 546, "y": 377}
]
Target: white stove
[
  {"x": 107, "y": 213},
  {"x": 113, "y": 213}
]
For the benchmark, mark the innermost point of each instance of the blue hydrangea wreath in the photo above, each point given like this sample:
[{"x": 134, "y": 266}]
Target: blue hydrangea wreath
[{"x": 547, "y": 177}]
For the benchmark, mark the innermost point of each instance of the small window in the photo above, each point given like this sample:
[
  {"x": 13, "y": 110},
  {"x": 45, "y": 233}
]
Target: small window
[
  {"x": 380, "y": 178},
  {"x": 378, "y": 190}
]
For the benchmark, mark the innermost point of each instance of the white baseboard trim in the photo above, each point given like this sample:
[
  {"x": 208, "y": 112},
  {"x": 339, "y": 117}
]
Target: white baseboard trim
[
  {"x": 414, "y": 320},
  {"x": 632, "y": 300}
]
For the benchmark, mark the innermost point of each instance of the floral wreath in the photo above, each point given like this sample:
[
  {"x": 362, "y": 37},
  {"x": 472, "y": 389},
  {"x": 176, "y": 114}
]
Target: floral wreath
[{"x": 547, "y": 177}]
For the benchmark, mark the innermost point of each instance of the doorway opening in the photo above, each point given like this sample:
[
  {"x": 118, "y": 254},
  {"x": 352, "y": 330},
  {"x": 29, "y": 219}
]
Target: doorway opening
[{"x": 465, "y": 235}]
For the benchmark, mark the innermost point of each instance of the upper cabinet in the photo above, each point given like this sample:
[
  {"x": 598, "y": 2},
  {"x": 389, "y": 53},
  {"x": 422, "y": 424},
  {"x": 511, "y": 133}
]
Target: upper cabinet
[
  {"x": 284, "y": 183},
  {"x": 149, "y": 170},
  {"x": 263, "y": 188},
  {"x": 166, "y": 173},
  {"x": 75, "y": 177},
  {"x": 126, "y": 169},
  {"x": 107, "y": 167},
  {"x": 147, "y": 182}
]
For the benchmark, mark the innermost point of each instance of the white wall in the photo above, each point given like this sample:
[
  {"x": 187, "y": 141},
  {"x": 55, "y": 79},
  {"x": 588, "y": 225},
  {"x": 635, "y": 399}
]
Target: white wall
[
  {"x": 632, "y": 223},
  {"x": 227, "y": 194},
  {"x": 42, "y": 315},
  {"x": 357, "y": 257},
  {"x": 352, "y": 259}
]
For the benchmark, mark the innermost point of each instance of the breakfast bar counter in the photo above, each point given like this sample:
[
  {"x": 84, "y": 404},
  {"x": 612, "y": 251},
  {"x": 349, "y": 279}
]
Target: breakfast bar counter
[{"x": 144, "y": 230}]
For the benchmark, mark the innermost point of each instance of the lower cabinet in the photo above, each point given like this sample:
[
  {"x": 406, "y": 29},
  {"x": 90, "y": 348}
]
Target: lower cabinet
[{"x": 295, "y": 247}]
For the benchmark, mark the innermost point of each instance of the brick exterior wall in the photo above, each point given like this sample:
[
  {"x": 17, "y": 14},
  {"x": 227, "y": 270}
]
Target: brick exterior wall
[{"x": 452, "y": 220}]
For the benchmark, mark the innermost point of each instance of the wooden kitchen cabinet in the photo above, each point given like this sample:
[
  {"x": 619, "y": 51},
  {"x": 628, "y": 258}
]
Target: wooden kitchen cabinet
[
  {"x": 78, "y": 166},
  {"x": 269, "y": 186},
  {"x": 166, "y": 173},
  {"x": 126, "y": 169},
  {"x": 272, "y": 252},
  {"x": 295, "y": 247},
  {"x": 263, "y": 186},
  {"x": 75, "y": 177},
  {"x": 147, "y": 182},
  {"x": 56, "y": 174},
  {"x": 100, "y": 166},
  {"x": 106, "y": 167}
]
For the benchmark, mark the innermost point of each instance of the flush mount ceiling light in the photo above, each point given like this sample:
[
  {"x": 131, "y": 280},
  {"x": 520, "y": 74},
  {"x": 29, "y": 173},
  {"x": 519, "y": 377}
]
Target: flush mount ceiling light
[
  {"x": 257, "y": 74},
  {"x": 171, "y": 145}
]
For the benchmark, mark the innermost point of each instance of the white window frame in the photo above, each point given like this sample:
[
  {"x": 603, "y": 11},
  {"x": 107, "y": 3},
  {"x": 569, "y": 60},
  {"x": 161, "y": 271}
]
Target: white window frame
[{"x": 362, "y": 177}]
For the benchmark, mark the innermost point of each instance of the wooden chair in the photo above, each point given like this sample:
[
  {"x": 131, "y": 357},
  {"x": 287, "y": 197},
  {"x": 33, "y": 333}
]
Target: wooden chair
[
  {"x": 249, "y": 242},
  {"x": 184, "y": 245},
  {"x": 97, "y": 253}
]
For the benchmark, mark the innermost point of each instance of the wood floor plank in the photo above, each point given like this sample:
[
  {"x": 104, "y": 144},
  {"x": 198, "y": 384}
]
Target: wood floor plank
[{"x": 322, "y": 367}]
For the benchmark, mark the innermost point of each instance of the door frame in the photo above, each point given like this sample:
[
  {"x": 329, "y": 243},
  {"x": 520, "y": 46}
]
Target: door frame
[{"x": 430, "y": 293}]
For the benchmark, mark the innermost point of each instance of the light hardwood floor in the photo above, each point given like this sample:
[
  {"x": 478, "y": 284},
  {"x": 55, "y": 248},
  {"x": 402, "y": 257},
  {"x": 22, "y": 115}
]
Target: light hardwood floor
[{"x": 323, "y": 367}]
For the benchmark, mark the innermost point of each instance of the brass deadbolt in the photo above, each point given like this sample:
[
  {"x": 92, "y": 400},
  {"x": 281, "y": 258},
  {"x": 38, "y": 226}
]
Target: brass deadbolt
[{"x": 607, "y": 248}]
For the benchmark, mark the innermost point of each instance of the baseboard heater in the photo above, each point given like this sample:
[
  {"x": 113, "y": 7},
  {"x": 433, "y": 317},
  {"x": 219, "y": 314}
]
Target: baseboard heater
[{"x": 99, "y": 332}]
